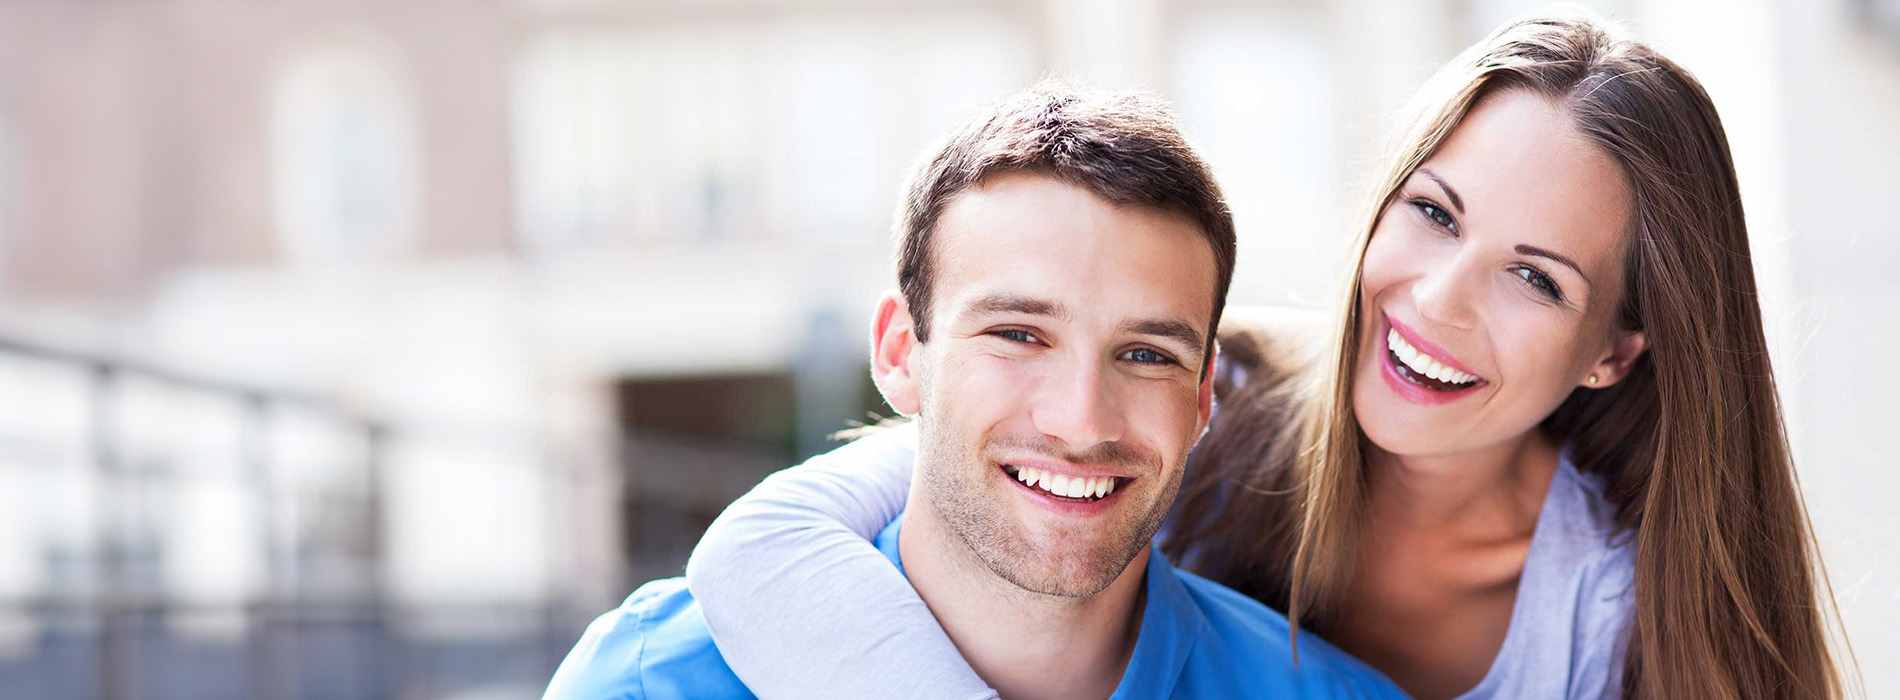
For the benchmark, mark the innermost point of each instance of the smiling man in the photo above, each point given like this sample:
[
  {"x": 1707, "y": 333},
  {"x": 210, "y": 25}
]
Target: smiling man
[{"x": 1064, "y": 260}]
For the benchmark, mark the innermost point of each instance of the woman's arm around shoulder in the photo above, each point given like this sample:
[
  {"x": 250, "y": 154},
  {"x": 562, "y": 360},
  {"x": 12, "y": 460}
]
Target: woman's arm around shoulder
[{"x": 799, "y": 601}]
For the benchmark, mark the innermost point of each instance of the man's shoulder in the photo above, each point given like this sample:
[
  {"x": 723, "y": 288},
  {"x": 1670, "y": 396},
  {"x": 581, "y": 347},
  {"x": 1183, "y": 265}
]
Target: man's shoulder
[
  {"x": 656, "y": 646},
  {"x": 1247, "y": 647}
]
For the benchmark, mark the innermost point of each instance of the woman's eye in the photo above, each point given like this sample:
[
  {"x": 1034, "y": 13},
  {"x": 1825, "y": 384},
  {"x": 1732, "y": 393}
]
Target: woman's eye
[
  {"x": 1147, "y": 356},
  {"x": 1437, "y": 214},
  {"x": 1017, "y": 335},
  {"x": 1541, "y": 281}
]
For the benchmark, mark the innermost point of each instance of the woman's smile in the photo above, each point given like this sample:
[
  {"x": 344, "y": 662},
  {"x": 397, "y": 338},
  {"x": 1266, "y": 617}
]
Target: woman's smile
[{"x": 1419, "y": 371}]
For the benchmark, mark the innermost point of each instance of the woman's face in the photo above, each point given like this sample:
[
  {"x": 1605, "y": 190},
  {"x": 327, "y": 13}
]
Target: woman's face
[{"x": 1491, "y": 282}]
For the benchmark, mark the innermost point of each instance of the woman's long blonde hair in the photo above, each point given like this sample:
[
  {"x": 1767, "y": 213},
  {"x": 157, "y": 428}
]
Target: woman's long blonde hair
[{"x": 1729, "y": 592}]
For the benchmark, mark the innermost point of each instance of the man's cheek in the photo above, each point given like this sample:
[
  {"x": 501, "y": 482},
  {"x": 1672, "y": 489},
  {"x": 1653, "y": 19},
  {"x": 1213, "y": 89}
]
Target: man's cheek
[
  {"x": 983, "y": 396},
  {"x": 1173, "y": 415}
]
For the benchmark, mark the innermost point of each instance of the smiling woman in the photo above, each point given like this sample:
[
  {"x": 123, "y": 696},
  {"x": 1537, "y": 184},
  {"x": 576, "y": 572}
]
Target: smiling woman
[{"x": 1553, "y": 304}]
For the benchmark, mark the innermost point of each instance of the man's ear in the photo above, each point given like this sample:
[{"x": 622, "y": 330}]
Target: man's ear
[
  {"x": 893, "y": 338},
  {"x": 1615, "y": 365},
  {"x": 1205, "y": 402}
]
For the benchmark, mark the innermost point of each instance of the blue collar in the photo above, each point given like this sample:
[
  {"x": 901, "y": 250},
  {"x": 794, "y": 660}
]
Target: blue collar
[{"x": 1171, "y": 623}]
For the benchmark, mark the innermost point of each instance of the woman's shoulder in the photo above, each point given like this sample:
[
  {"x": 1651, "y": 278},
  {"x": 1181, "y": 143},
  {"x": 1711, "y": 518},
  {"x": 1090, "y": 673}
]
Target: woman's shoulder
[
  {"x": 1584, "y": 509},
  {"x": 1588, "y": 534},
  {"x": 1574, "y": 600}
]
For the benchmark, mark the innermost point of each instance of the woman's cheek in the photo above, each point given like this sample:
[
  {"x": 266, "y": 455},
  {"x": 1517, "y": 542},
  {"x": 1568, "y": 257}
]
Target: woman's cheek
[
  {"x": 1397, "y": 253},
  {"x": 1376, "y": 273},
  {"x": 1538, "y": 357}
]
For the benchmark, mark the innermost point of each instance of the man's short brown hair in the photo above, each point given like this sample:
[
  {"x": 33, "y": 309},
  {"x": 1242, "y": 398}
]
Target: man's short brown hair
[{"x": 1123, "y": 146}]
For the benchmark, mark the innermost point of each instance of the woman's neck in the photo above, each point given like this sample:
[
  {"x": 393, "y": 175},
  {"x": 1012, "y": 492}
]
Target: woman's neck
[{"x": 1480, "y": 492}]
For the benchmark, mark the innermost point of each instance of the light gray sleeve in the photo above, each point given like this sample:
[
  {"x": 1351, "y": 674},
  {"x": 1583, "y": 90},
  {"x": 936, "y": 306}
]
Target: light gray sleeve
[
  {"x": 1602, "y": 626},
  {"x": 803, "y": 605}
]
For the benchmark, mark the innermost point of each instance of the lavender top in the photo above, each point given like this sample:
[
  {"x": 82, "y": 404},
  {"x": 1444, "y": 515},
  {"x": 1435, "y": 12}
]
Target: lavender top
[{"x": 774, "y": 570}]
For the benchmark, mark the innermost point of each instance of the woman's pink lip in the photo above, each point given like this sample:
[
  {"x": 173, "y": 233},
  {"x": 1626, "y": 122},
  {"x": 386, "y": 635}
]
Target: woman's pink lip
[
  {"x": 1428, "y": 348},
  {"x": 1413, "y": 392}
]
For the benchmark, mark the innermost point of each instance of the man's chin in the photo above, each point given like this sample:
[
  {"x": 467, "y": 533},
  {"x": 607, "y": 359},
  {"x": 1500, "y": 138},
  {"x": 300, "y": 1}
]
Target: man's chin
[
  {"x": 1049, "y": 551},
  {"x": 1071, "y": 567},
  {"x": 1058, "y": 582}
]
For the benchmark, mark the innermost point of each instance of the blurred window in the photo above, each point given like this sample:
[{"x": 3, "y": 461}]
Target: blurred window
[
  {"x": 47, "y": 490},
  {"x": 1255, "y": 90},
  {"x": 193, "y": 530},
  {"x": 345, "y": 153},
  {"x": 706, "y": 130},
  {"x": 620, "y": 136},
  {"x": 1482, "y": 16}
]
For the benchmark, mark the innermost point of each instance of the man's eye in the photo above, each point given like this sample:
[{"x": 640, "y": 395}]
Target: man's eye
[
  {"x": 1017, "y": 335},
  {"x": 1147, "y": 356}
]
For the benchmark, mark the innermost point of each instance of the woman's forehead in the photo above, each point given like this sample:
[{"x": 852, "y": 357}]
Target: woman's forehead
[{"x": 1524, "y": 170}]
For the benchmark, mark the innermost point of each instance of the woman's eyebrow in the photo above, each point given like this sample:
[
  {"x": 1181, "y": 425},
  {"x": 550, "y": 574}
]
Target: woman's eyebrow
[
  {"x": 1541, "y": 253},
  {"x": 1457, "y": 202}
]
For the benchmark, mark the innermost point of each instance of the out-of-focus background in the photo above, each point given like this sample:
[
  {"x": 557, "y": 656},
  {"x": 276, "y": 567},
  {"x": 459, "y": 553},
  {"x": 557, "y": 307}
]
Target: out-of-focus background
[{"x": 369, "y": 348}]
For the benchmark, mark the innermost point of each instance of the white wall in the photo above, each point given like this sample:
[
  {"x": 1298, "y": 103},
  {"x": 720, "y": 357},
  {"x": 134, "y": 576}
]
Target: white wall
[{"x": 1841, "y": 91}]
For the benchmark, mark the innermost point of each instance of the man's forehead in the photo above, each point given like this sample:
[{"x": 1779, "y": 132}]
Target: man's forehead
[{"x": 1035, "y": 236}]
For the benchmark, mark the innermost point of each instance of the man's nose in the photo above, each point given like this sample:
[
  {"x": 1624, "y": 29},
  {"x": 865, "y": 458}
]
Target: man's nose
[{"x": 1080, "y": 408}]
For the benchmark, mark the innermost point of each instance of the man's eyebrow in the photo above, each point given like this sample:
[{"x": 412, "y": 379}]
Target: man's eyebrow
[
  {"x": 1541, "y": 253},
  {"x": 1179, "y": 331},
  {"x": 1457, "y": 202},
  {"x": 1015, "y": 304}
]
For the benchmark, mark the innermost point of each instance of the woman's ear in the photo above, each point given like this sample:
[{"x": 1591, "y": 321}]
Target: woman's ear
[
  {"x": 893, "y": 337},
  {"x": 1616, "y": 364}
]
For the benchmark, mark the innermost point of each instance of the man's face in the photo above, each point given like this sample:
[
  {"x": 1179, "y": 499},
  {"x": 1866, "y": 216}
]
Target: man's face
[{"x": 1062, "y": 385}]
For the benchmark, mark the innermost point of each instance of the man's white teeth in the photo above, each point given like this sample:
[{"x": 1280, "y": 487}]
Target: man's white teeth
[
  {"x": 1065, "y": 485},
  {"x": 1081, "y": 487},
  {"x": 1424, "y": 364}
]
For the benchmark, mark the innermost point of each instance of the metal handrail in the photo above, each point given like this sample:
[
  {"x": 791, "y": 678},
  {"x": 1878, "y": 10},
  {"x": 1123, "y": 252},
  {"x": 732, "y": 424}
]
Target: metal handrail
[
  {"x": 117, "y": 657},
  {"x": 120, "y": 365}
]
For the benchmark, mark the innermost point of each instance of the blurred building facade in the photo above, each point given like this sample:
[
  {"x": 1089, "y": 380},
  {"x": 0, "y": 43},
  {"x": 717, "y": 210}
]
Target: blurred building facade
[{"x": 365, "y": 348}]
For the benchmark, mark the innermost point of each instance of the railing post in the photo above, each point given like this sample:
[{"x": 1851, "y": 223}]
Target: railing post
[
  {"x": 388, "y": 665},
  {"x": 117, "y": 656},
  {"x": 270, "y": 671}
]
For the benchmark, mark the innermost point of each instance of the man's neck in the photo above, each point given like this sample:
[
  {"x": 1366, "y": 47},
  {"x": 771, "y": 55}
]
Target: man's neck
[{"x": 1027, "y": 645}]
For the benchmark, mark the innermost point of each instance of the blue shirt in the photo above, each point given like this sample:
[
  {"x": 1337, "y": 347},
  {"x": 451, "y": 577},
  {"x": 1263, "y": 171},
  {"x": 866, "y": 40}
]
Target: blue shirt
[{"x": 1198, "y": 639}]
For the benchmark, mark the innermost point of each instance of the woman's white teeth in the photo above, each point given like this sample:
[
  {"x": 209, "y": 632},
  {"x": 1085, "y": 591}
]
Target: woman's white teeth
[
  {"x": 1065, "y": 485},
  {"x": 1424, "y": 364}
]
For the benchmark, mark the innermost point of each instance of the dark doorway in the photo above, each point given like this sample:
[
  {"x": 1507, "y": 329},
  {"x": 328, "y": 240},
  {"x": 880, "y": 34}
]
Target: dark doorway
[{"x": 694, "y": 443}]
